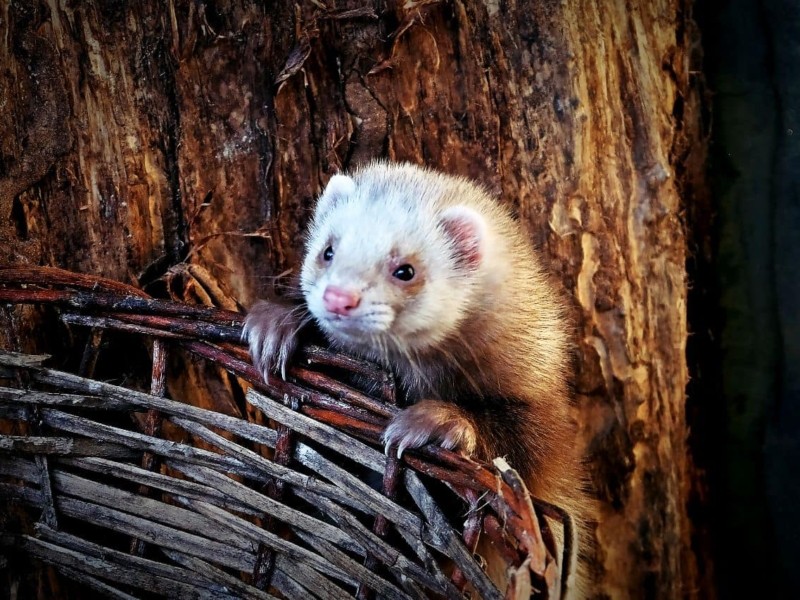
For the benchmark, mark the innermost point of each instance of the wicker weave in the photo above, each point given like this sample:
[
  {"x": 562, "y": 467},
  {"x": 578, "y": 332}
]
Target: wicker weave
[{"x": 296, "y": 500}]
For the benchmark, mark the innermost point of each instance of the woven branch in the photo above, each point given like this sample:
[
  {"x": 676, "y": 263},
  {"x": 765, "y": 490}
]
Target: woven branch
[{"x": 289, "y": 507}]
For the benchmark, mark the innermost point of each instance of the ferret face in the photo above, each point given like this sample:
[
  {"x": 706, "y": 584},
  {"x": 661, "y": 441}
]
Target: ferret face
[{"x": 385, "y": 270}]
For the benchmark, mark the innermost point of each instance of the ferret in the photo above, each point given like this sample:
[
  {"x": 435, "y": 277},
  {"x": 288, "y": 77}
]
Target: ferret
[{"x": 427, "y": 275}]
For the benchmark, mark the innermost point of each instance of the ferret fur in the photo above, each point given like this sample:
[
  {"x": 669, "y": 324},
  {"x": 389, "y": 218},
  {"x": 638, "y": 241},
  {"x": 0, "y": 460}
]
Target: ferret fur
[{"x": 479, "y": 338}]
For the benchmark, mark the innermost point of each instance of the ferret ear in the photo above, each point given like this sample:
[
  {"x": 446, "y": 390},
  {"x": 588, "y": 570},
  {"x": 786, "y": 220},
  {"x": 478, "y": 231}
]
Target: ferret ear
[
  {"x": 467, "y": 231},
  {"x": 339, "y": 187}
]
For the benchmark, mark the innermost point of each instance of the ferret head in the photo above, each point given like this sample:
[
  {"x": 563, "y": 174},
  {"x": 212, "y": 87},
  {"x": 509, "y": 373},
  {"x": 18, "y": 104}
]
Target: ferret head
[{"x": 393, "y": 260}]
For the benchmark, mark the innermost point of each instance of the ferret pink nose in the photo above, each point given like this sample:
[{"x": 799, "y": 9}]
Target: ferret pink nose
[{"x": 340, "y": 301}]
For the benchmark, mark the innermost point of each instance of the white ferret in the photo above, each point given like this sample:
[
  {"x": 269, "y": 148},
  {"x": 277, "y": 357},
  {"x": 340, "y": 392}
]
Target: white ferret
[{"x": 429, "y": 276}]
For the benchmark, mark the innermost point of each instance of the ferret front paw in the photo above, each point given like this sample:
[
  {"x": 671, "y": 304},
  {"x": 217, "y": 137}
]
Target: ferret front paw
[
  {"x": 270, "y": 329},
  {"x": 431, "y": 421}
]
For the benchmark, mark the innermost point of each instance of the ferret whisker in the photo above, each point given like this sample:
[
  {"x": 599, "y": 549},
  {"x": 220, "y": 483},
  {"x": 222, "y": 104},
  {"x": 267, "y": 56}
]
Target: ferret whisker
[
  {"x": 413, "y": 362},
  {"x": 457, "y": 364},
  {"x": 475, "y": 362},
  {"x": 294, "y": 293},
  {"x": 298, "y": 310},
  {"x": 384, "y": 350},
  {"x": 296, "y": 313},
  {"x": 304, "y": 319}
]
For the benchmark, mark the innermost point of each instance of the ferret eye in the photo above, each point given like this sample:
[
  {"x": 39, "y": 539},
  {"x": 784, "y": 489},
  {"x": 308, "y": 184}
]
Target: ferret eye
[
  {"x": 404, "y": 273},
  {"x": 328, "y": 254}
]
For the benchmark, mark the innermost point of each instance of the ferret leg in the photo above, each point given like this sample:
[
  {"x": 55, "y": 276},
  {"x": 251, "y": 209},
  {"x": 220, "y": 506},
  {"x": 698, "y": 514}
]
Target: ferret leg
[
  {"x": 431, "y": 421},
  {"x": 271, "y": 331}
]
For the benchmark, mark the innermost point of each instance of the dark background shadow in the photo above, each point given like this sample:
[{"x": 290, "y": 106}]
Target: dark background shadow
[{"x": 748, "y": 309}]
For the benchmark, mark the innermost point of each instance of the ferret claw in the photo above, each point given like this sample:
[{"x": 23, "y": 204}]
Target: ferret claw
[
  {"x": 270, "y": 330},
  {"x": 430, "y": 421}
]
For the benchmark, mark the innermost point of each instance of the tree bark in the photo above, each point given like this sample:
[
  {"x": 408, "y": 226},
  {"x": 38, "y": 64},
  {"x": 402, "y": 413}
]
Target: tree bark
[{"x": 179, "y": 146}]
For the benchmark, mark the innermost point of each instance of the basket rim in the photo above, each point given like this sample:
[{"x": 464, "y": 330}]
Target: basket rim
[{"x": 215, "y": 335}]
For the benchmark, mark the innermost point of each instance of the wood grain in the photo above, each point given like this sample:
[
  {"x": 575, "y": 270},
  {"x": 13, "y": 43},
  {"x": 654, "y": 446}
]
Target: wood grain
[{"x": 178, "y": 146}]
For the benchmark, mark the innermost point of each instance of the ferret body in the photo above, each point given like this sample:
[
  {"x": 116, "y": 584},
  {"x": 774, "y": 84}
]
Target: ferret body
[{"x": 426, "y": 274}]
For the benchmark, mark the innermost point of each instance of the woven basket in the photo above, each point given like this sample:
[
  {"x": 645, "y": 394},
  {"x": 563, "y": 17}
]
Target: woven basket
[{"x": 296, "y": 499}]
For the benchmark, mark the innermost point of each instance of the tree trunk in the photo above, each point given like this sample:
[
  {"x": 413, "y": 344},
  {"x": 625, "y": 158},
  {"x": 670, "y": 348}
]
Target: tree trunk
[{"x": 179, "y": 146}]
